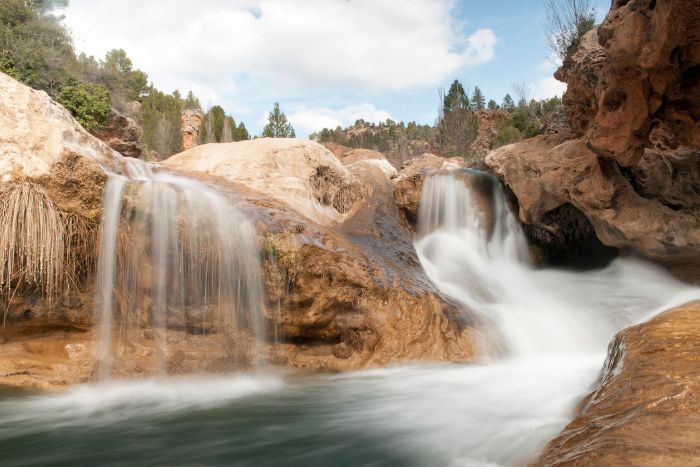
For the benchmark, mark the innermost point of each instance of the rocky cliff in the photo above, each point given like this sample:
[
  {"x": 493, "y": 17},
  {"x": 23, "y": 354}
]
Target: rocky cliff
[{"x": 631, "y": 164}]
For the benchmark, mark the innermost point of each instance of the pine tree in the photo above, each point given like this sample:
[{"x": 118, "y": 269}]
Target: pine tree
[
  {"x": 191, "y": 102},
  {"x": 492, "y": 105},
  {"x": 456, "y": 98},
  {"x": 478, "y": 100},
  {"x": 277, "y": 125},
  {"x": 508, "y": 103}
]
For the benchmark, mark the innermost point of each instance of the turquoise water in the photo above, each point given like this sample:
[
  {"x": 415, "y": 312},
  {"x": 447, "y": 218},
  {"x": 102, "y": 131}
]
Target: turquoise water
[{"x": 497, "y": 414}]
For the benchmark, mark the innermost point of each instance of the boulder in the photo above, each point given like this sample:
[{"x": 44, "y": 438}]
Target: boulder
[
  {"x": 645, "y": 409},
  {"x": 548, "y": 171},
  {"x": 344, "y": 286},
  {"x": 122, "y": 134}
]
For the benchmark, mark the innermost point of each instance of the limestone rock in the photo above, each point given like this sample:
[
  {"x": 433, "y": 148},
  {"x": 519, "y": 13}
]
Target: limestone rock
[
  {"x": 191, "y": 122},
  {"x": 548, "y": 171},
  {"x": 122, "y": 134},
  {"x": 646, "y": 407},
  {"x": 345, "y": 289},
  {"x": 41, "y": 141}
]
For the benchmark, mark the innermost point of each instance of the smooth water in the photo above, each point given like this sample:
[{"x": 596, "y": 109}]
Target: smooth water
[{"x": 545, "y": 337}]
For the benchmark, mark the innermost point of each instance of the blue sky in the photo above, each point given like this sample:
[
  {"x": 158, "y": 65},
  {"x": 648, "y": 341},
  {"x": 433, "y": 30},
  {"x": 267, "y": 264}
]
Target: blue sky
[{"x": 327, "y": 62}]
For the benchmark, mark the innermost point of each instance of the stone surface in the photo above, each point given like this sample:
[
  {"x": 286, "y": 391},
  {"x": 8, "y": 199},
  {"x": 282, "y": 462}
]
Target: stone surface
[
  {"x": 41, "y": 141},
  {"x": 122, "y": 134},
  {"x": 645, "y": 410},
  {"x": 633, "y": 106},
  {"x": 344, "y": 290},
  {"x": 191, "y": 122},
  {"x": 549, "y": 171}
]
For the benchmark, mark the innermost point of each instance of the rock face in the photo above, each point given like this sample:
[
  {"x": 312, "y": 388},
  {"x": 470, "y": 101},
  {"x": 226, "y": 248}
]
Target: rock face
[
  {"x": 633, "y": 169},
  {"x": 345, "y": 288},
  {"x": 191, "y": 122},
  {"x": 646, "y": 408},
  {"x": 122, "y": 134},
  {"x": 408, "y": 184}
]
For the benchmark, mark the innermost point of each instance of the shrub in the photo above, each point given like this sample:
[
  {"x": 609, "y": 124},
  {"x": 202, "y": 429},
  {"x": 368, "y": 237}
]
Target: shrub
[{"x": 89, "y": 103}]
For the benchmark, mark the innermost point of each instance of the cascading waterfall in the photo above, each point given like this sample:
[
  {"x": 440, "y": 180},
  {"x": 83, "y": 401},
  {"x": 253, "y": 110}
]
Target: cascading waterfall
[
  {"x": 472, "y": 248},
  {"x": 174, "y": 255}
]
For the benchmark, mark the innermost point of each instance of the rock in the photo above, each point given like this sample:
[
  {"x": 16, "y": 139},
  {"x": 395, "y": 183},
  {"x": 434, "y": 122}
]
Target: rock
[
  {"x": 581, "y": 72},
  {"x": 408, "y": 184},
  {"x": 301, "y": 173},
  {"x": 633, "y": 168},
  {"x": 122, "y": 134},
  {"x": 645, "y": 409},
  {"x": 547, "y": 172},
  {"x": 345, "y": 289},
  {"x": 486, "y": 133},
  {"x": 625, "y": 85},
  {"x": 40, "y": 141},
  {"x": 191, "y": 122}
]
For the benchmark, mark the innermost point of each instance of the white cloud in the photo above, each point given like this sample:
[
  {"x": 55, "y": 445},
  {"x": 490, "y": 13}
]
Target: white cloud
[
  {"x": 548, "y": 87},
  {"x": 310, "y": 119},
  {"x": 357, "y": 45}
]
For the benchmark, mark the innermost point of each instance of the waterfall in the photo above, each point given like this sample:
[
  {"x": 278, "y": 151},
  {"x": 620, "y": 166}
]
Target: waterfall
[
  {"x": 473, "y": 249},
  {"x": 177, "y": 262}
]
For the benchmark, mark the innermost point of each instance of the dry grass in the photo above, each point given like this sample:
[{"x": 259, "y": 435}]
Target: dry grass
[{"x": 41, "y": 249}]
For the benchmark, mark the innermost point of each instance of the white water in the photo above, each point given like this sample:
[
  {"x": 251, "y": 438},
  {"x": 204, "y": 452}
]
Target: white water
[{"x": 174, "y": 254}]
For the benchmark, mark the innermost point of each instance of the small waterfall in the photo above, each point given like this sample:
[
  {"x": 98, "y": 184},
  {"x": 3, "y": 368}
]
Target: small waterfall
[
  {"x": 178, "y": 267},
  {"x": 473, "y": 249}
]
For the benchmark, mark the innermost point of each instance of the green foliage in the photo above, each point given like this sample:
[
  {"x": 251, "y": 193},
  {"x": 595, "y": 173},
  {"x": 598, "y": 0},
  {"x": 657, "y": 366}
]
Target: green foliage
[
  {"x": 217, "y": 127},
  {"x": 492, "y": 105},
  {"x": 478, "y": 101},
  {"x": 160, "y": 116},
  {"x": 89, "y": 103},
  {"x": 456, "y": 98},
  {"x": 277, "y": 125},
  {"x": 34, "y": 46},
  {"x": 191, "y": 102},
  {"x": 508, "y": 103}
]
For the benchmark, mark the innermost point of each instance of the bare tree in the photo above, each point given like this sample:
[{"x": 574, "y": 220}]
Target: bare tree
[
  {"x": 209, "y": 136},
  {"x": 523, "y": 94},
  {"x": 227, "y": 133},
  {"x": 565, "y": 22},
  {"x": 165, "y": 132}
]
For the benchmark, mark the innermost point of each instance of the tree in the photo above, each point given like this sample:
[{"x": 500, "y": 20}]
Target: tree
[
  {"x": 492, "y": 105},
  {"x": 566, "y": 21},
  {"x": 508, "y": 103},
  {"x": 191, "y": 102},
  {"x": 161, "y": 119},
  {"x": 89, "y": 103},
  {"x": 241, "y": 133},
  {"x": 478, "y": 100},
  {"x": 456, "y": 98},
  {"x": 277, "y": 125},
  {"x": 457, "y": 124}
]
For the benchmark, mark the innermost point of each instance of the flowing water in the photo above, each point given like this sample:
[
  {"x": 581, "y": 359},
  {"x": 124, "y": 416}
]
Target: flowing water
[
  {"x": 545, "y": 336},
  {"x": 174, "y": 254}
]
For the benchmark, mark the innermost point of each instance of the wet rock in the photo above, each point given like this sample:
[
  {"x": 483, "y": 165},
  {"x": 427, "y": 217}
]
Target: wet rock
[
  {"x": 344, "y": 291},
  {"x": 645, "y": 409}
]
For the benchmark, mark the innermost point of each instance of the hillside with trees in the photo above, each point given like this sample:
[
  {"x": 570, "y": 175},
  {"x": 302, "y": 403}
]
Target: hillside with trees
[
  {"x": 468, "y": 126},
  {"x": 37, "y": 49}
]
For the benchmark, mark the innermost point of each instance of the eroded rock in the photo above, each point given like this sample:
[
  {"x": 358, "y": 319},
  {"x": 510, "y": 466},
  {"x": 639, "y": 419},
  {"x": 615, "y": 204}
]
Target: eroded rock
[
  {"x": 122, "y": 134},
  {"x": 646, "y": 407}
]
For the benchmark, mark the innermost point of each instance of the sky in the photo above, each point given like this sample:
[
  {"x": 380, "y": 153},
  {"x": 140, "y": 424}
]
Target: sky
[{"x": 327, "y": 62}]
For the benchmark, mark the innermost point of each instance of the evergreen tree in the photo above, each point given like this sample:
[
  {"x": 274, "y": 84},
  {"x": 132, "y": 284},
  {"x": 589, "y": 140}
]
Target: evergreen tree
[
  {"x": 191, "y": 102},
  {"x": 277, "y": 125},
  {"x": 478, "y": 100},
  {"x": 492, "y": 105},
  {"x": 456, "y": 98},
  {"x": 508, "y": 103}
]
